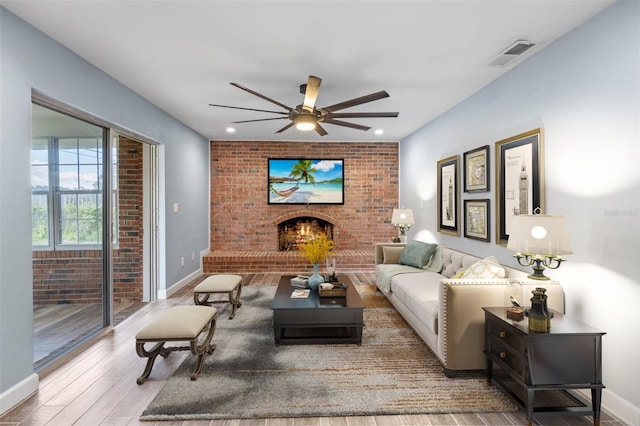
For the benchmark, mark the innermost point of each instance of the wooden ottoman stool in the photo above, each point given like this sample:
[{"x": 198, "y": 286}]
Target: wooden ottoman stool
[
  {"x": 230, "y": 284},
  {"x": 178, "y": 323}
]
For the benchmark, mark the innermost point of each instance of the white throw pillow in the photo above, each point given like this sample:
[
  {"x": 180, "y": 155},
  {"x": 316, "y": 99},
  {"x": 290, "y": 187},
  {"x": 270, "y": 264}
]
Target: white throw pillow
[{"x": 485, "y": 268}]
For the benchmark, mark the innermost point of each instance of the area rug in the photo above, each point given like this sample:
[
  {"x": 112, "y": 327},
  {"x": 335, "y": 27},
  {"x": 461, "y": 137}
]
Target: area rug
[{"x": 247, "y": 376}]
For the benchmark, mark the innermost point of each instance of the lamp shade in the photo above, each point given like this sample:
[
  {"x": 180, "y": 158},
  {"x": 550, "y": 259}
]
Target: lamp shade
[
  {"x": 539, "y": 234},
  {"x": 402, "y": 217}
]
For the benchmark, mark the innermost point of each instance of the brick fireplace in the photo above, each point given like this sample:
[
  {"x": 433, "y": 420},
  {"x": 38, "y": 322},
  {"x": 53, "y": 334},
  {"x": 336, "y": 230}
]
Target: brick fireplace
[
  {"x": 244, "y": 227},
  {"x": 292, "y": 232}
]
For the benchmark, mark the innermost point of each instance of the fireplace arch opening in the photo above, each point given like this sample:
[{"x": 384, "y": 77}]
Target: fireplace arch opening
[{"x": 292, "y": 232}]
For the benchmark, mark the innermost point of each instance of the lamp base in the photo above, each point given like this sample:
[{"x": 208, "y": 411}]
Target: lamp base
[
  {"x": 538, "y": 271},
  {"x": 539, "y": 277}
]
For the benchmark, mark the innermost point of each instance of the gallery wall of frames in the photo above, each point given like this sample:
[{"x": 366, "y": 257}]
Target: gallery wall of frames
[{"x": 464, "y": 191}]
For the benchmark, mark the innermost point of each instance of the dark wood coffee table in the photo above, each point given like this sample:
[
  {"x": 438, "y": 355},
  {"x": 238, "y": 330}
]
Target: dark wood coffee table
[{"x": 317, "y": 319}]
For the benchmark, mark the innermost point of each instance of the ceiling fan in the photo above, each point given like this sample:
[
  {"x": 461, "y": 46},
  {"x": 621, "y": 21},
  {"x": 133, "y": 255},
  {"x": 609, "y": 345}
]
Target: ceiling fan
[{"x": 307, "y": 117}]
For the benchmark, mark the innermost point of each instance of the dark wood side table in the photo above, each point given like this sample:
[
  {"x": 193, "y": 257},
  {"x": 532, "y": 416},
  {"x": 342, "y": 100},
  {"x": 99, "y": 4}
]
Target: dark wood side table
[{"x": 569, "y": 356}]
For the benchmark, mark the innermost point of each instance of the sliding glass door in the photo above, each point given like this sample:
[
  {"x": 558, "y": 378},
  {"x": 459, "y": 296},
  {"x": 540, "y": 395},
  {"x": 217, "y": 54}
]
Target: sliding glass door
[{"x": 71, "y": 228}]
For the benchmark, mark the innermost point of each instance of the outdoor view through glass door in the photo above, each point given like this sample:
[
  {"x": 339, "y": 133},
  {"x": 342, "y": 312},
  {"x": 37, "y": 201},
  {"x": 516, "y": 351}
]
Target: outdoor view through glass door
[{"x": 68, "y": 217}]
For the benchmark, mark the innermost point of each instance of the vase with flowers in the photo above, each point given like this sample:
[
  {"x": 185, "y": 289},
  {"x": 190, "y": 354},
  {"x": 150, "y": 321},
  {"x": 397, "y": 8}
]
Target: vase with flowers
[{"x": 316, "y": 250}]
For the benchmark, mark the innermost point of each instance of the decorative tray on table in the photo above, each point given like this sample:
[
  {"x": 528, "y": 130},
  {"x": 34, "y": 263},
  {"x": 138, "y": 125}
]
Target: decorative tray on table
[{"x": 334, "y": 289}]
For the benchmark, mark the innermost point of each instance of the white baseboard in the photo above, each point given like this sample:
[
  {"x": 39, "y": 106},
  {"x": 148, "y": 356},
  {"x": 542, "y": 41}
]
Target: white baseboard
[
  {"x": 164, "y": 294},
  {"x": 18, "y": 393},
  {"x": 616, "y": 406}
]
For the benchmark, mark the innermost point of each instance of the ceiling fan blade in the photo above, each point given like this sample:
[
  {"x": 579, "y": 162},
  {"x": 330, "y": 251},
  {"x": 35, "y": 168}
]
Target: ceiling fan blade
[
  {"x": 320, "y": 130},
  {"x": 357, "y": 101},
  {"x": 249, "y": 109},
  {"x": 345, "y": 124},
  {"x": 260, "y": 95},
  {"x": 259, "y": 119},
  {"x": 361, "y": 114},
  {"x": 286, "y": 127},
  {"x": 311, "y": 93}
]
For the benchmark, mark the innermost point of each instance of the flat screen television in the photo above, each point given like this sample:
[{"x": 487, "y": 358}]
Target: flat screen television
[{"x": 305, "y": 181}]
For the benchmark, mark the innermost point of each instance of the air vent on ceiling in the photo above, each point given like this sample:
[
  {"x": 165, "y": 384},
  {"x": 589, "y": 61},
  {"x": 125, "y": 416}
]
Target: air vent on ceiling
[{"x": 511, "y": 53}]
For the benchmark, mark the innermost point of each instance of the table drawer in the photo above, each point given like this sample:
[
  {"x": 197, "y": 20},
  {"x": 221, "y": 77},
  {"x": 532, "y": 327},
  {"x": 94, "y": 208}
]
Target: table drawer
[
  {"x": 507, "y": 357},
  {"x": 507, "y": 335}
]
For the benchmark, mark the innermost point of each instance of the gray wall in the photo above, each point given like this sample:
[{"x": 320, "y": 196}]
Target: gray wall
[
  {"x": 31, "y": 60},
  {"x": 584, "y": 91}
]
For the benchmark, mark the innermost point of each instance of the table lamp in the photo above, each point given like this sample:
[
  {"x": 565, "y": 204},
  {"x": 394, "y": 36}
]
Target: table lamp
[
  {"x": 540, "y": 241},
  {"x": 402, "y": 219}
]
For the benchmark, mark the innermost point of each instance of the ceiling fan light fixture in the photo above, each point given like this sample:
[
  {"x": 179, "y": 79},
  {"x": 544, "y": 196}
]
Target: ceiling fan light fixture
[
  {"x": 307, "y": 116},
  {"x": 305, "y": 122}
]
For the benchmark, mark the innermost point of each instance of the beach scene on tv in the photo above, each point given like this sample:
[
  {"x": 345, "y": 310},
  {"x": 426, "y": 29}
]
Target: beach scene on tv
[{"x": 306, "y": 181}]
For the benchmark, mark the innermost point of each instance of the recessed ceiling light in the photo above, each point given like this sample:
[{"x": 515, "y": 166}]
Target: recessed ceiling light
[
  {"x": 231, "y": 130},
  {"x": 379, "y": 131}
]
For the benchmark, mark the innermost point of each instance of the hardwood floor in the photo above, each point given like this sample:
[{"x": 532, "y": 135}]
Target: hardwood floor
[
  {"x": 58, "y": 328},
  {"x": 98, "y": 386}
]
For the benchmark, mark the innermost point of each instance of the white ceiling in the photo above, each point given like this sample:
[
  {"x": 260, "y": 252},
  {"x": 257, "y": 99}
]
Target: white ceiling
[{"x": 182, "y": 55}]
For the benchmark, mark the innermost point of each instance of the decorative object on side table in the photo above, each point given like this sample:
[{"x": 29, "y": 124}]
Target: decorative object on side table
[
  {"x": 539, "y": 240},
  {"x": 316, "y": 250},
  {"x": 539, "y": 316},
  {"x": 335, "y": 289},
  {"x": 513, "y": 298},
  {"x": 402, "y": 219},
  {"x": 331, "y": 269}
]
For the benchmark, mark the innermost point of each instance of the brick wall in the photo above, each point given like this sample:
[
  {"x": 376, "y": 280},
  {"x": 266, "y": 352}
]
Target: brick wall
[
  {"x": 68, "y": 276},
  {"x": 241, "y": 219},
  {"x": 75, "y": 276},
  {"x": 127, "y": 259}
]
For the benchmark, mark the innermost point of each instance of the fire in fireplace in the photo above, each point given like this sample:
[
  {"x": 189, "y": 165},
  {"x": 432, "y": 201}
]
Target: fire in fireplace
[{"x": 297, "y": 230}]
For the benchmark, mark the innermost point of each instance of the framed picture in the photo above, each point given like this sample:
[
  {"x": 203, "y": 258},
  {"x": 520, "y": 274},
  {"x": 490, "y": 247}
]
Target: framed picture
[
  {"x": 305, "y": 181},
  {"x": 448, "y": 195},
  {"x": 476, "y": 169},
  {"x": 519, "y": 179},
  {"x": 476, "y": 219}
]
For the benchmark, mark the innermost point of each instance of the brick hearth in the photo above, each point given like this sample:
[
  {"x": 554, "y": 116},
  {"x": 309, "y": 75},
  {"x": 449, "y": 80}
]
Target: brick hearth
[{"x": 225, "y": 261}]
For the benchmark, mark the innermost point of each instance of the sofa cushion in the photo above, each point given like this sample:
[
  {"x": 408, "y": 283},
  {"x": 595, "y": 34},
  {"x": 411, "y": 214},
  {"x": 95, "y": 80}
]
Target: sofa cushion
[
  {"x": 436, "y": 261},
  {"x": 416, "y": 253},
  {"x": 391, "y": 254},
  {"x": 419, "y": 292},
  {"x": 384, "y": 273},
  {"x": 485, "y": 268}
]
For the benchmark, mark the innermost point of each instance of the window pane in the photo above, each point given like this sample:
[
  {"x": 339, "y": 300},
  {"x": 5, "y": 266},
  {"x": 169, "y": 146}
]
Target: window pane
[
  {"x": 40, "y": 178},
  {"x": 39, "y": 151},
  {"x": 40, "y": 164},
  {"x": 88, "y": 232},
  {"x": 89, "y": 177},
  {"x": 68, "y": 178},
  {"x": 39, "y": 220},
  {"x": 87, "y": 206},
  {"x": 68, "y": 206},
  {"x": 68, "y": 151},
  {"x": 88, "y": 152},
  {"x": 68, "y": 232}
]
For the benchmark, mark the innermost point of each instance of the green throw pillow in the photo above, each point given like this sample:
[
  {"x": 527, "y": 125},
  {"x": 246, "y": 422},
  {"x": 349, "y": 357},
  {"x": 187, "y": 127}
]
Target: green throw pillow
[
  {"x": 436, "y": 263},
  {"x": 416, "y": 253}
]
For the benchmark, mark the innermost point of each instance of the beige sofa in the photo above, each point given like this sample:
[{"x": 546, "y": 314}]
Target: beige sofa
[{"x": 445, "y": 312}]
